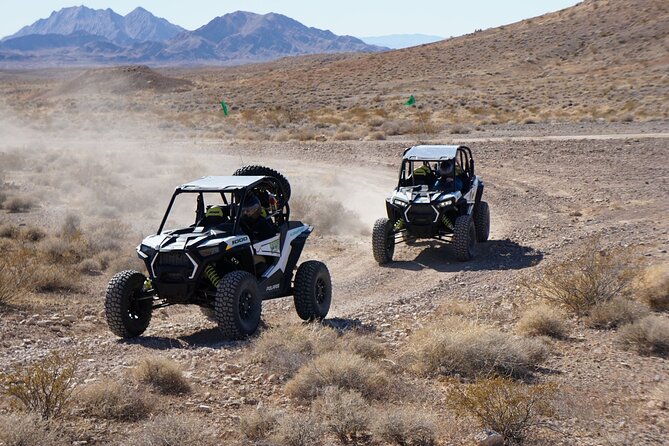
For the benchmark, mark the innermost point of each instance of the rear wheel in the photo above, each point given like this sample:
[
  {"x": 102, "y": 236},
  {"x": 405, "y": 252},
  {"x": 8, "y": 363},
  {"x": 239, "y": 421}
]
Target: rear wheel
[
  {"x": 268, "y": 172},
  {"x": 313, "y": 290},
  {"x": 127, "y": 307},
  {"x": 464, "y": 238},
  {"x": 237, "y": 305},
  {"x": 482, "y": 221},
  {"x": 383, "y": 241}
]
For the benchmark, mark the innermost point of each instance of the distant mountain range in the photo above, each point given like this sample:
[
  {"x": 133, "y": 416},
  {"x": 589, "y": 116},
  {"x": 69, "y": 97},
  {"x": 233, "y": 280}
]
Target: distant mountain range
[
  {"x": 398, "y": 41},
  {"x": 84, "y": 36}
]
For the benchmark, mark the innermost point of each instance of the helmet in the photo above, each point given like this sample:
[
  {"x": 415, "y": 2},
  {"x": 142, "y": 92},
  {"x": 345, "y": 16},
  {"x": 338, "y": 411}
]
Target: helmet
[
  {"x": 251, "y": 207},
  {"x": 445, "y": 169},
  {"x": 214, "y": 211}
]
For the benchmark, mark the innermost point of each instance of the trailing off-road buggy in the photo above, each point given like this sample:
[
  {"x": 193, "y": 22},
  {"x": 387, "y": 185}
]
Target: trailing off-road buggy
[
  {"x": 438, "y": 197},
  {"x": 241, "y": 249}
]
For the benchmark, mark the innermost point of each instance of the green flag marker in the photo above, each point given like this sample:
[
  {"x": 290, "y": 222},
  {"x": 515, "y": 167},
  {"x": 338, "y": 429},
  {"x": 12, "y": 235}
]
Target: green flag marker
[
  {"x": 224, "y": 106},
  {"x": 411, "y": 101}
]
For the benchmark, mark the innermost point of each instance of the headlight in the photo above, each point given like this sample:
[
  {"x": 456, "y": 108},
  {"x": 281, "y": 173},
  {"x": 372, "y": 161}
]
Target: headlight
[
  {"x": 145, "y": 252},
  {"x": 206, "y": 252},
  {"x": 398, "y": 202},
  {"x": 445, "y": 203}
]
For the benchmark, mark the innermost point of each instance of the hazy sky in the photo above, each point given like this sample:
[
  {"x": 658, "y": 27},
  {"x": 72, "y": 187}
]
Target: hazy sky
[{"x": 353, "y": 17}]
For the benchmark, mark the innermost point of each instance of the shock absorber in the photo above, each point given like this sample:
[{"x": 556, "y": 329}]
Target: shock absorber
[
  {"x": 212, "y": 275},
  {"x": 447, "y": 222}
]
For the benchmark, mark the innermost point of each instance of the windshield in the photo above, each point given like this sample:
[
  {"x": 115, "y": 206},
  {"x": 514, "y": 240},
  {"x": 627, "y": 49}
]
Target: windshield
[{"x": 215, "y": 209}]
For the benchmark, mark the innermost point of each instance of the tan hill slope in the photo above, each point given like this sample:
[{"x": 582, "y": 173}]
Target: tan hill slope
[{"x": 599, "y": 59}]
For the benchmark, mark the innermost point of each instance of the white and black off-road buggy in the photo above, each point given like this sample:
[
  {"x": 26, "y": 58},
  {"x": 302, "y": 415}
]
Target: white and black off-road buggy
[
  {"x": 438, "y": 197},
  {"x": 241, "y": 249}
]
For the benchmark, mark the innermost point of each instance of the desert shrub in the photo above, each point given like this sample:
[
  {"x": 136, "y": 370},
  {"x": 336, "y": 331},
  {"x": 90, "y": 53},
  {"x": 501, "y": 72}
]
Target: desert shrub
[
  {"x": 362, "y": 345},
  {"x": 509, "y": 408},
  {"x": 346, "y": 414},
  {"x": 393, "y": 128},
  {"x": 345, "y": 136},
  {"x": 63, "y": 250},
  {"x": 15, "y": 275},
  {"x": 405, "y": 426},
  {"x": 284, "y": 350},
  {"x": 457, "y": 347},
  {"x": 543, "y": 321},
  {"x": 116, "y": 401},
  {"x": 652, "y": 287},
  {"x": 18, "y": 204},
  {"x": 591, "y": 277},
  {"x": 459, "y": 130},
  {"x": 177, "y": 430},
  {"x": 339, "y": 369},
  {"x": 648, "y": 336},
  {"x": 44, "y": 387},
  {"x": 33, "y": 234},
  {"x": 53, "y": 278},
  {"x": 28, "y": 430},
  {"x": 163, "y": 374},
  {"x": 298, "y": 430},
  {"x": 376, "y": 136},
  {"x": 9, "y": 230},
  {"x": 71, "y": 226},
  {"x": 259, "y": 424},
  {"x": 615, "y": 312},
  {"x": 89, "y": 266}
]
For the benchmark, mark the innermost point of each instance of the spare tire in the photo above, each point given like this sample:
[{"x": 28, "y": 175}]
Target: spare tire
[{"x": 267, "y": 172}]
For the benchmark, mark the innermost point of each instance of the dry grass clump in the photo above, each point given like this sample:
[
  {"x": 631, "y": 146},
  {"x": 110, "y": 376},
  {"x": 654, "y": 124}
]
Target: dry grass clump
[
  {"x": 362, "y": 345},
  {"x": 652, "y": 288},
  {"x": 163, "y": 374},
  {"x": 543, "y": 321},
  {"x": 116, "y": 401},
  {"x": 28, "y": 430},
  {"x": 259, "y": 424},
  {"x": 339, "y": 369},
  {"x": 18, "y": 204},
  {"x": 9, "y": 230},
  {"x": 405, "y": 426},
  {"x": 298, "y": 430},
  {"x": 284, "y": 350},
  {"x": 615, "y": 312},
  {"x": 346, "y": 414},
  {"x": 45, "y": 387},
  {"x": 648, "y": 336},
  {"x": 578, "y": 284},
  {"x": 454, "y": 346},
  {"x": 177, "y": 430},
  {"x": 33, "y": 234},
  {"x": 509, "y": 408}
]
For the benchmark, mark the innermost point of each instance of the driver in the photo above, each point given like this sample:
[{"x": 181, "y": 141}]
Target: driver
[
  {"x": 253, "y": 223},
  {"x": 447, "y": 181}
]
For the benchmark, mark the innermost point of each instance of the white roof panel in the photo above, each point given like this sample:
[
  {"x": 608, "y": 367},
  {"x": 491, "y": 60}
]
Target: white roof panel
[
  {"x": 220, "y": 183},
  {"x": 431, "y": 153}
]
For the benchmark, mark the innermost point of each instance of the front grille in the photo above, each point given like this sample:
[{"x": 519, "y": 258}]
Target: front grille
[
  {"x": 175, "y": 258},
  {"x": 421, "y": 214}
]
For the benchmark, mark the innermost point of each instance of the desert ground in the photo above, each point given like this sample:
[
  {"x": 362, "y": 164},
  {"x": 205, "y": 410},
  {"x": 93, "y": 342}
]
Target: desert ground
[{"x": 571, "y": 140}]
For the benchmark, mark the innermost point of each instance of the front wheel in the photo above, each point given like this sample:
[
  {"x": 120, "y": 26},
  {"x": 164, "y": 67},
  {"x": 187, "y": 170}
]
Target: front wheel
[
  {"x": 127, "y": 307},
  {"x": 464, "y": 238},
  {"x": 237, "y": 305},
  {"x": 312, "y": 290},
  {"x": 383, "y": 241}
]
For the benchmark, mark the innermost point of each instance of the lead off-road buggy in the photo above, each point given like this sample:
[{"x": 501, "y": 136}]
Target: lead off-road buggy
[
  {"x": 438, "y": 197},
  {"x": 241, "y": 249}
]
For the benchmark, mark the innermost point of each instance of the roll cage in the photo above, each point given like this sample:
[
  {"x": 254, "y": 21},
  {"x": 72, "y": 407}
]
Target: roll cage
[
  {"x": 232, "y": 191},
  {"x": 431, "y": 156}
]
